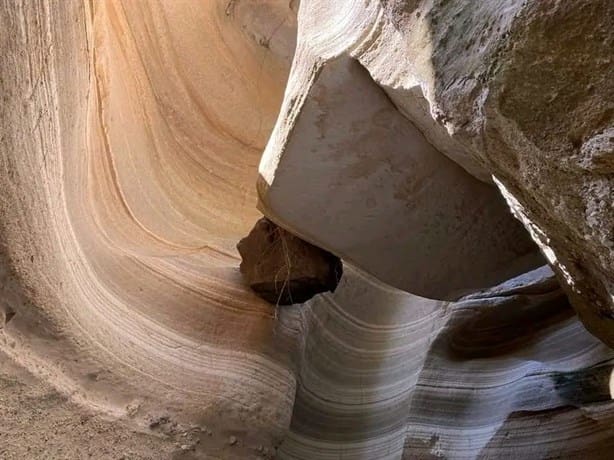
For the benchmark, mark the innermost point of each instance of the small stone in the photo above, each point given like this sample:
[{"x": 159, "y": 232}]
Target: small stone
[
  {"x": 185, "y": 447},
  {"x": 598, "y": 152},
  {"x": 6, "y": 314},
  {"x": 133, "y": 408},
  {"x": 232, "y": 440},
  {"x": 156, "y": 422}
]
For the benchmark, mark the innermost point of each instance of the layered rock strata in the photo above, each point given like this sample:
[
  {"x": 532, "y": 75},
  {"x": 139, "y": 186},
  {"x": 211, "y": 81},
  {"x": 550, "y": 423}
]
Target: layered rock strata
[{"x": 127, "y": 173}]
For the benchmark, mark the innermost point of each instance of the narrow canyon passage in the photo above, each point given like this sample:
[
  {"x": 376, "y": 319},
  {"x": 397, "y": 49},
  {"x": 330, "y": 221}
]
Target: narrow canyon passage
[{"x": 141, "y": 140}]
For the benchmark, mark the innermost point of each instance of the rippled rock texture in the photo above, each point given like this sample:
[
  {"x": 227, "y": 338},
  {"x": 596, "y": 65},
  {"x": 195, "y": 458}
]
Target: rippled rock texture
[{"x": 403, "y": 136}]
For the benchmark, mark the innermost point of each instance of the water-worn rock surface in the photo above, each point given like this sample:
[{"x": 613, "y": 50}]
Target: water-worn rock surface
[{"x": 446, "y": 151}]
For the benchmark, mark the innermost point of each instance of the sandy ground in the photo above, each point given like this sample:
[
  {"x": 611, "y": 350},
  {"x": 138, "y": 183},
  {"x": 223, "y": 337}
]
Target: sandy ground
[
  {"x": 40, "y": 423},
  {"x": 37, "y": 422}
]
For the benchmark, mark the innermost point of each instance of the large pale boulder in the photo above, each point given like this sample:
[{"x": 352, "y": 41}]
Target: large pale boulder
[{"x": 516, "y": 93}]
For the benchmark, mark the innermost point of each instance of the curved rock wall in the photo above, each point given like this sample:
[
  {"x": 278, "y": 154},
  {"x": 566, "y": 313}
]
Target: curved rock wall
[
  {"x": 122, "y": 206},
  {"x": 386, "y": 374}
]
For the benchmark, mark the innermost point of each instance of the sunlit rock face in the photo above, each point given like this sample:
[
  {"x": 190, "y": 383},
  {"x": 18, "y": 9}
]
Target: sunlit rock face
[
  {"x": 417, "y": 140},
  {"x": 131, "y": 134}
]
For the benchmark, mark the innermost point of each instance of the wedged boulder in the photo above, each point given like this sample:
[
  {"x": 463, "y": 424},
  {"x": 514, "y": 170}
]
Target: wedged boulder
[{"x": 282, "y": 268}]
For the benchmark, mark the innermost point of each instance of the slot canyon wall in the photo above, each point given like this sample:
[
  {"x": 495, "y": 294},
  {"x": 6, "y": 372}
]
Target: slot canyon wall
[{"x": 458, "y": 156}]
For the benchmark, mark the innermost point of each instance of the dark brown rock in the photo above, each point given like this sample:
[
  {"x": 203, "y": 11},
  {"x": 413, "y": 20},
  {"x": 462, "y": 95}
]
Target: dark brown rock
[
  {"x": 282, "y": 268},
  {"x": 6, "y": 314}
]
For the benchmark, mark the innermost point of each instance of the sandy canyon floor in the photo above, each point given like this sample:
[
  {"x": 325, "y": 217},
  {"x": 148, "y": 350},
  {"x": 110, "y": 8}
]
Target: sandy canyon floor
[{"x": 40, "y": 423}]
